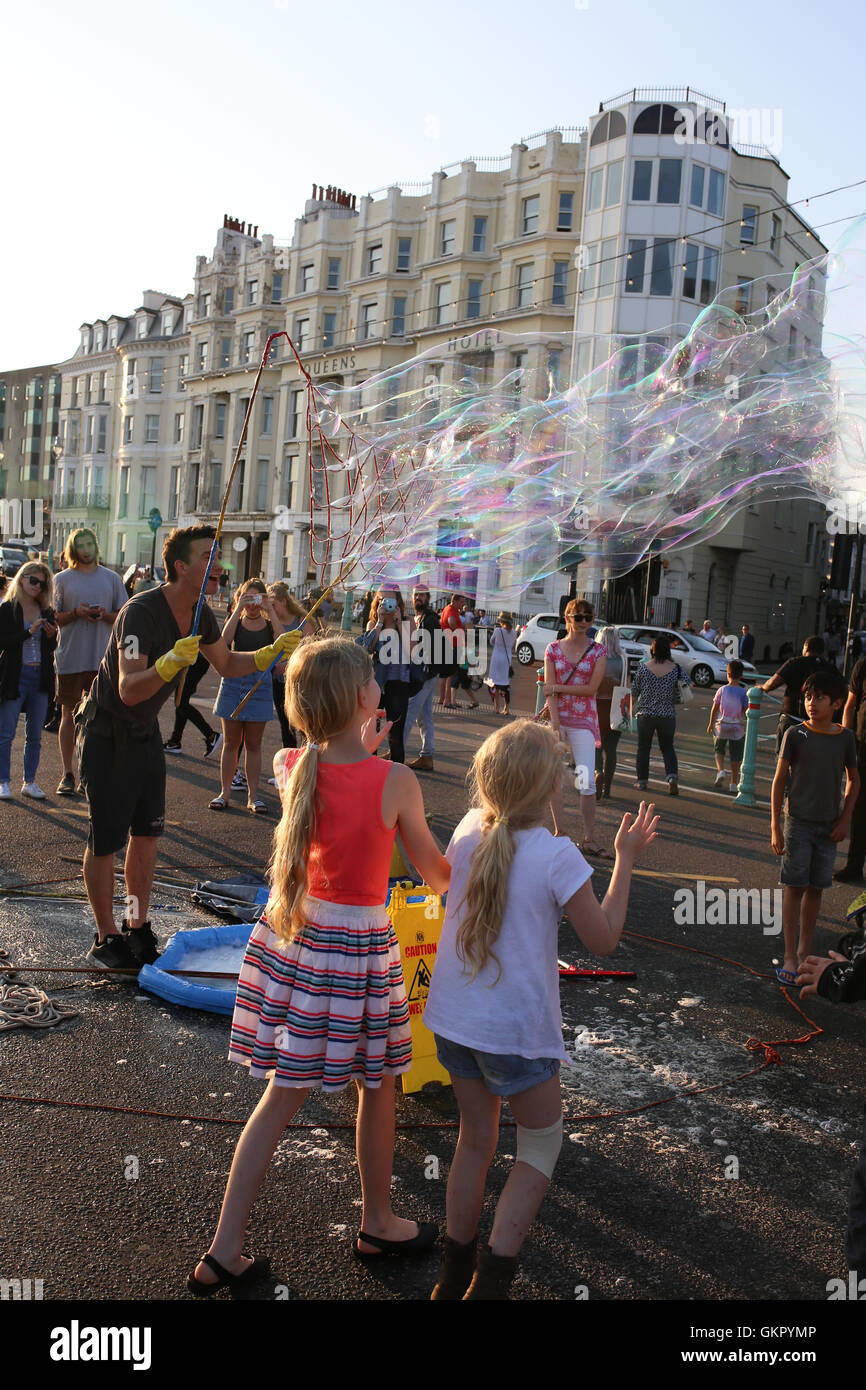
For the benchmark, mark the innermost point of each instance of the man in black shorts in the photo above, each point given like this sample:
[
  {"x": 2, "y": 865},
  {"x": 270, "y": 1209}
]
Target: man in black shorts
[{"x": 122, "y": 759}]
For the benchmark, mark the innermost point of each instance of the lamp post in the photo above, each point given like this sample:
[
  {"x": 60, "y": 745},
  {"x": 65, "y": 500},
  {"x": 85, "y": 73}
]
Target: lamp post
[{"x": 57, "y": 451}]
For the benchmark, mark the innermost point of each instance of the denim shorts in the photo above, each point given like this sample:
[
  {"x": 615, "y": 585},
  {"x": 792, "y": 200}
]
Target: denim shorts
[
  {"x": 503, "y": 1074},
  {"x": 809, "y": 854}
]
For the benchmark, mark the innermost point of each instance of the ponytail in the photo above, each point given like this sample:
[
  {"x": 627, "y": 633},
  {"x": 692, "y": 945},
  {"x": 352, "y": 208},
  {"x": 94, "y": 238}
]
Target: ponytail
[
  {"x": 486, "y": 893},
  {"x": 288, "y": 866},
  {"x": 323, "y": 681}
]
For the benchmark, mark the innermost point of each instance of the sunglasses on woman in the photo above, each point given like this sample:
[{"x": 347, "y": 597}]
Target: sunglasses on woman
[
  {"x": 34, "y": 579},
  {"x": 581, "y": 617}
]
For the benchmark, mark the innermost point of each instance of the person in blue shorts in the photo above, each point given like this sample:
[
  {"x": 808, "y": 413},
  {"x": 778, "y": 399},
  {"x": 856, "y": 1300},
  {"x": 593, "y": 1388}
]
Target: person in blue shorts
[{"x": 252, "y": 626}]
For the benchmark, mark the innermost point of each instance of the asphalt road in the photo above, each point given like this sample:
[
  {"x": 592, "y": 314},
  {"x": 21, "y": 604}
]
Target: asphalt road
[{"x": 736, "y": 1193}]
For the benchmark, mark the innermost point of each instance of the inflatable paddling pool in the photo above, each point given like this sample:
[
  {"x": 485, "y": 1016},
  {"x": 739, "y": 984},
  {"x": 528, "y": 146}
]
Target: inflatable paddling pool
[
  {"x": 219, "y": 949},
  {"x": 204, "y": 948}
]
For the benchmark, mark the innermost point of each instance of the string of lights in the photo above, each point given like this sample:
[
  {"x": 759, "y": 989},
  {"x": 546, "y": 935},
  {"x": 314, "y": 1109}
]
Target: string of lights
[{"x": 350, "y": 340}]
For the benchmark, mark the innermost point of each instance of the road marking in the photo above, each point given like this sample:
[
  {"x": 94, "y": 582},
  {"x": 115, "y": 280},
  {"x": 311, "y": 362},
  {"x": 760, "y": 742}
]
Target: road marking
[
  {"x": 701, "y": 791},
  {"x": 696, "y": 878},
  {"x": 711, "y": 767}
]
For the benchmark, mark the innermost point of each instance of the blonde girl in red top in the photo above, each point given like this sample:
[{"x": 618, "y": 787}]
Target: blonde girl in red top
[{"x": 321, "y": 1000}]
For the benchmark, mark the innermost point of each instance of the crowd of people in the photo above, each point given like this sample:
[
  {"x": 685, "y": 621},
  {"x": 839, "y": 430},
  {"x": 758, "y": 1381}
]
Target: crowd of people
[{"x": 321, "y": 1000}]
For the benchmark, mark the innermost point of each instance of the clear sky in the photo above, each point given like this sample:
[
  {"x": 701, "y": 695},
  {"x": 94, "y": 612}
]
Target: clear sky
[{"x": 129, "y": 129}]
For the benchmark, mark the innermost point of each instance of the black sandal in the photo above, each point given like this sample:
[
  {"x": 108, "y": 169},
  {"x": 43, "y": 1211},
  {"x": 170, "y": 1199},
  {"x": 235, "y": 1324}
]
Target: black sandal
[
  {"x": 427, "y": 1233},
  {"x": 259, "y": 1267}
]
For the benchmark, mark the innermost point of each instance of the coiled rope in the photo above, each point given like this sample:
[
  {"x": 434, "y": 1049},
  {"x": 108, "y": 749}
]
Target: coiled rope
[{"x": 28, "y": 1006}]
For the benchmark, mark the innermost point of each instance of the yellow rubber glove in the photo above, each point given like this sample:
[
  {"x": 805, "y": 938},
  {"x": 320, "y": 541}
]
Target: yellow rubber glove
[
  {"x": 284, "y": 646},
  {"x": 183, "y": 653}
]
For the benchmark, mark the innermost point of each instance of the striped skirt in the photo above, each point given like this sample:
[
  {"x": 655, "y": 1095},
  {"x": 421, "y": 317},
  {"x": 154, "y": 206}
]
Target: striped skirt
[{"x": 328, "y": 1008}]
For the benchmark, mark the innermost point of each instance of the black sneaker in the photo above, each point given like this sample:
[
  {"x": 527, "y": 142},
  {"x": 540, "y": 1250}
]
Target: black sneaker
[
  {"x": 848, "y": 875},
  {"x": 212, "y": 742},
  {"x": 172, "y": 746},
  {"x": 143, "y": 945},
  {"x": 112, "y": 954},
  {"x": 66, "y": 785}
]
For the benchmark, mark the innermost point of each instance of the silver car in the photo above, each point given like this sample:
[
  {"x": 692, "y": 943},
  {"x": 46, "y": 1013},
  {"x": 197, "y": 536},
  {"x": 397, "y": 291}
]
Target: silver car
[{"x": 702, "y": 662}]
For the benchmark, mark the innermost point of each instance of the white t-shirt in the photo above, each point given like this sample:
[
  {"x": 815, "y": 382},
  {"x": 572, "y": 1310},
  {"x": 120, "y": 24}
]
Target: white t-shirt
[{"x": 518, "y": 1013}]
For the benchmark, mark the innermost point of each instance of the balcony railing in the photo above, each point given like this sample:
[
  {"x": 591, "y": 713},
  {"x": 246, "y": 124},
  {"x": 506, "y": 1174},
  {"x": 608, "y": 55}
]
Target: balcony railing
[
  {"x": 92, "y": 501},
  {"x": 672, "y": 95}
]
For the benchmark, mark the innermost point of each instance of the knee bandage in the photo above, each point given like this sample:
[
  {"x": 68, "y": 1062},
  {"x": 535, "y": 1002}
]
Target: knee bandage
[{"x": 540, "y": 1147}]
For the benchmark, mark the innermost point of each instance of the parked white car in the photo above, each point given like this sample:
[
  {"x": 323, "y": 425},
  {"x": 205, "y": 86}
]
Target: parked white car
[
  {"x": 702, "y": 662},
  {"x": 539, "y": 632}
]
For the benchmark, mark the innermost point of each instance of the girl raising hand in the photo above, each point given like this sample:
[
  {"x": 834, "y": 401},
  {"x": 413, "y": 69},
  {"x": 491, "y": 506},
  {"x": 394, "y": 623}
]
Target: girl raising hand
[{"x": 494, "y": 997}]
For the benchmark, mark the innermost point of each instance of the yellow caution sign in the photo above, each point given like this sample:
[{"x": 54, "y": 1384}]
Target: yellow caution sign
[
  {"x": 398, "y": 867},
  {"x": 417, "y": 914}
]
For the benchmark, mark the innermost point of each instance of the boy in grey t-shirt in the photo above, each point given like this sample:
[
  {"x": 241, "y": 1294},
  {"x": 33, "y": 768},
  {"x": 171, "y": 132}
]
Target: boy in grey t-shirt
[{"x": 809, "y": 775}]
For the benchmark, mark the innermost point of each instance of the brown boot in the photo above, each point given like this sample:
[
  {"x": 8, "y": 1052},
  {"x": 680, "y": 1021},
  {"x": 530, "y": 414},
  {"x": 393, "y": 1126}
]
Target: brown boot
[
  {"x": 456, "y": 1270},
  {"x": 493, "y": 1276},
  {"x": 422, "y": 764}
]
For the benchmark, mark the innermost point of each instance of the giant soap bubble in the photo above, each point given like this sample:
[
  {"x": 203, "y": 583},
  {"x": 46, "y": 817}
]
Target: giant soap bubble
[{"x": 458, "y": 457}]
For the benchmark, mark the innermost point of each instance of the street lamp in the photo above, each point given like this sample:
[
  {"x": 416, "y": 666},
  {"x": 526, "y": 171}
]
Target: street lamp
[{"x": 57, "y": 451}]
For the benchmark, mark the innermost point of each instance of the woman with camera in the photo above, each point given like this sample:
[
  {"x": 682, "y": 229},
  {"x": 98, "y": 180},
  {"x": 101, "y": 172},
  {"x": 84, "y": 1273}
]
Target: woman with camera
[
  {"x": 252, "y": 624},
  {"x": 28, "y": 636},
  {"x": 384, "y": 640}
]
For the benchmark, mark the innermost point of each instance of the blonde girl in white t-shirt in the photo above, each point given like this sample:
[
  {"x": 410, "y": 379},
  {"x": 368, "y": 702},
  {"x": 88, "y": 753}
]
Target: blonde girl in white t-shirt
[{"x": 494, "y": 997}]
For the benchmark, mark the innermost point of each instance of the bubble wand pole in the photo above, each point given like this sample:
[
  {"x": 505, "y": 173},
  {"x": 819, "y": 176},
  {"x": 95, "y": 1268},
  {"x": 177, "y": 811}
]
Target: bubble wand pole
[
  {"x": 238, "y": 451},
  {"x": 277, "y": 659}
]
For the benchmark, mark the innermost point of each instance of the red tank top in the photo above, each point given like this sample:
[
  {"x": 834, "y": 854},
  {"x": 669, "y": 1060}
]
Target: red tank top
[{"x": 351, "y": 851}]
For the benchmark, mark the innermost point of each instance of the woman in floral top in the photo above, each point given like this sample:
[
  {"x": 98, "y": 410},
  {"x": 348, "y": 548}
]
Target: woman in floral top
[{"x": 573, "y": 671}]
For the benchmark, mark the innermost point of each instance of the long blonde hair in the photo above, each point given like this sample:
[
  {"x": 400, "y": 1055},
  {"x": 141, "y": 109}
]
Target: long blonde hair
[
  {"x": 16, "y": 585},
  {"x": 323, "y": 679},
  {"x": 513, "y": 776},
  {"x": 608, "y": 637}
]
